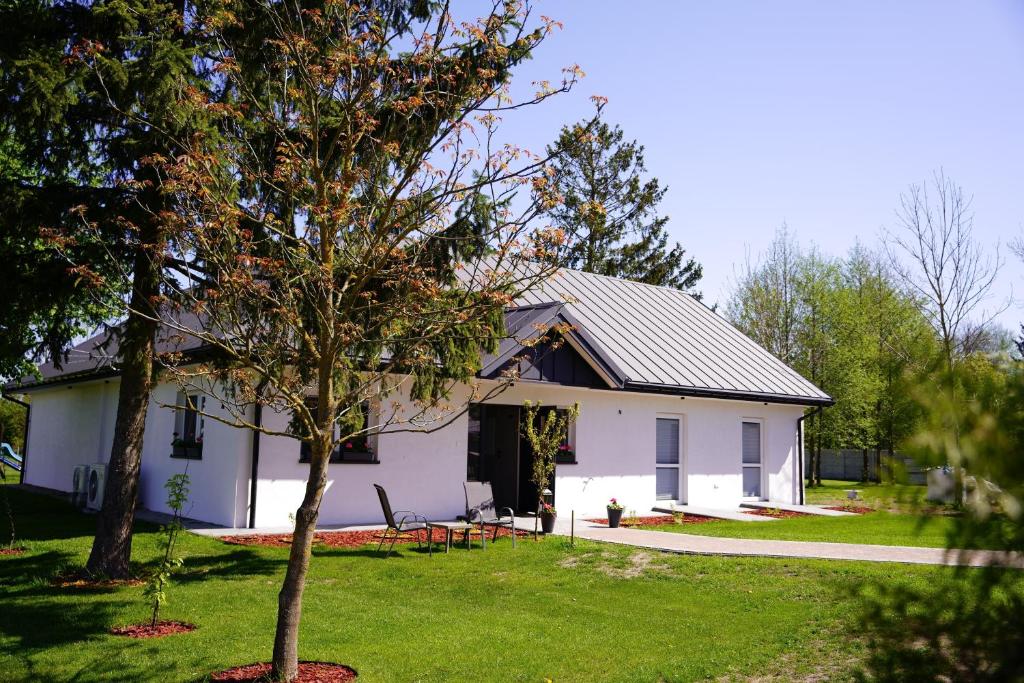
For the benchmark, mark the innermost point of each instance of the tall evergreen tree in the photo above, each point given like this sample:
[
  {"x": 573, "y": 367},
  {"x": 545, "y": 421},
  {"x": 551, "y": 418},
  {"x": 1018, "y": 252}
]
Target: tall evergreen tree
[
  {"x": 93, "y": 91},
  {"x": 610, "y": 210}
]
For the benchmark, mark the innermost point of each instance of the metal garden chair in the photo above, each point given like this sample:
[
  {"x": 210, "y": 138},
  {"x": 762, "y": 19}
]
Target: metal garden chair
[
  {"x": 480, "y": 509},
  {"x": 409, "y": 522}
]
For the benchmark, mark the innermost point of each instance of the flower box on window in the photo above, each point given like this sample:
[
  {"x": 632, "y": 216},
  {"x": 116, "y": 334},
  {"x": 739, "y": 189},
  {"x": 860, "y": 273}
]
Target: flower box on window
[
  {"x": 190, "y": 449},
  {"x": 565, "y": 455}
]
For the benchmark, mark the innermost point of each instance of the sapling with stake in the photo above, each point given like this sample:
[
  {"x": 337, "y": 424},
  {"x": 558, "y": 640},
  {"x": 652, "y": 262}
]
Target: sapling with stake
[
  {"x": 156, "y": 590},
  {"x": 546, "y": 433}
]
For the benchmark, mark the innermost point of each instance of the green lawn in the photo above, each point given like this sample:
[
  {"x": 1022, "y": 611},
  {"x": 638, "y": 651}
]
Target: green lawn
[
  {"x": 901, "y": 519},
  {"x": 882, "y": 528},
  {"x": 901, "y": 497},
  {"x": 593, "y": 613}
]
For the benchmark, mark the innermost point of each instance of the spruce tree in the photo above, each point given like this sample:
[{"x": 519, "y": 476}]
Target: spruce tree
[
  {"x": 610, "y": 209},
  {"x": 95, "y": 92}
]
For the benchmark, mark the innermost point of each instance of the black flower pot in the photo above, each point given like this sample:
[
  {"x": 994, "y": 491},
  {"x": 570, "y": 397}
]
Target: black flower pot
[
  {"x": 547, "y": 522},
  {"x": 614, "y": 517}
]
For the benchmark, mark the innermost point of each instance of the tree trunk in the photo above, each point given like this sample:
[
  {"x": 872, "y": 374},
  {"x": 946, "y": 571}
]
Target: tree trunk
[
  {"x": 865, "y": 468},
  {"x": 289, "y": 599},
  {"x": 112, "y": 547}
]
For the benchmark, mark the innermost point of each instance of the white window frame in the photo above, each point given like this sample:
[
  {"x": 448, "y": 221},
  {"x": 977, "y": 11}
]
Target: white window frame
[
  {"x": 760, "y": 465},
  {"x": 679, "y": 466}
]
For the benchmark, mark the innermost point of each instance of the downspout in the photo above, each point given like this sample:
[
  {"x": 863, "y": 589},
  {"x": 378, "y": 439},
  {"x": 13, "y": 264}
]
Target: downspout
[
  {"x": 24, "y": 444},
  {"x": 254, "y": 473},
  {"x": 800, "y": 437}
]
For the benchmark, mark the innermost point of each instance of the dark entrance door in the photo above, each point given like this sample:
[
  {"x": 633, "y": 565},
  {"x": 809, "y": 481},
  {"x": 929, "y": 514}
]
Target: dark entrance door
[{"x": 499, "y": 454}]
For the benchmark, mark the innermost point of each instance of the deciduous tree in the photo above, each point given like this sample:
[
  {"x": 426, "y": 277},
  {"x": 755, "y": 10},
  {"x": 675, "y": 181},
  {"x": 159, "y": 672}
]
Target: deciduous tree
[
  {"x": 935, "y": 254},
  {"x": 354, "y": 233}
]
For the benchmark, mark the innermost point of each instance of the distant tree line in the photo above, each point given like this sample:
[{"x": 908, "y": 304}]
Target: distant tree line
[{"x": 871, "y": 327}]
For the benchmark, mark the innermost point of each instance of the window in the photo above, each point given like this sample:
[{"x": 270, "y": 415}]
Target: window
[
  {"x": 189, "y": 424},
  {"x": 474, "y": 461},
  {"x": 667, "y": 459},
  {"x": 751, "y": 457},
  {"x": 566, "y": 454},
  {"x": 358, "y": 449}
]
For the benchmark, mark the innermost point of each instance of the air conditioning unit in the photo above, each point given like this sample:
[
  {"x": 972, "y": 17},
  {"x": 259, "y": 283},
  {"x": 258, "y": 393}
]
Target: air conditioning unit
[
  {"x": 94, "y": 489},
  {"x": 79, "y": 485}
]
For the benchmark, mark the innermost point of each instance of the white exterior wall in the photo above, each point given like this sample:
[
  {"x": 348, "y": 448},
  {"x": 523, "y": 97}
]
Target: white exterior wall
[
  {"x": 615, "y": 448},
  {"x": 614, "y": 442},
  {"x": 213, "y": 480},
  {"x": 75, "y": 426},
  {"x": 420, "y": 471},
  {"x": 68, "y": 427},
  {"x": 615, "y": 438}
]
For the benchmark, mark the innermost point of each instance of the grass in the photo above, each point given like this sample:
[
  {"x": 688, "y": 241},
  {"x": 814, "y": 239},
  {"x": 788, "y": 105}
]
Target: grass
[
  {"x": 889, "y": 496},
  {"x": 901, "y": 519},
  {"x": 880, "y": 528},
  {"x": 592, "y": 613}
]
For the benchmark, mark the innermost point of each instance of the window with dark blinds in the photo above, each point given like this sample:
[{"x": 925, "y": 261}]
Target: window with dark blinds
[
  {"x": 667, "y": 459},
  {"x": 751, "y": 443},
  {"x": 668, "y": 441}
]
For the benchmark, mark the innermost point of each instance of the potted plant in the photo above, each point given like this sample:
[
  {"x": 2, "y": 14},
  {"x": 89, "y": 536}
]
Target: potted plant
[
  {"x": 545, "y": 432},
  {"x": 548, "y": 515},
  {"x": 614, "y": 513}
]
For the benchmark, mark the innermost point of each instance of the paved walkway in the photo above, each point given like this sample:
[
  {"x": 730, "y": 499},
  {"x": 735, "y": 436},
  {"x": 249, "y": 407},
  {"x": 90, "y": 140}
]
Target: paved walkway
[
  {"x": 712, "y": 545},
  {"x": 716, "y": 513},
  {"x": 820, "y": 510}
]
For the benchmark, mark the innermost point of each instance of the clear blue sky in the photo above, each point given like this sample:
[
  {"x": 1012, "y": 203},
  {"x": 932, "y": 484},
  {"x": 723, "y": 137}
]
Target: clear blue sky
[{"x": 814, "y": 113}]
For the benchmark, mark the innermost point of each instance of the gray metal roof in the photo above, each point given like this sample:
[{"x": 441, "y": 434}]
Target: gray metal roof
[
  {"x": 662, "y": 339},
  {"x": 641, "y": 337},
  {"x": 98, "y": 356}
]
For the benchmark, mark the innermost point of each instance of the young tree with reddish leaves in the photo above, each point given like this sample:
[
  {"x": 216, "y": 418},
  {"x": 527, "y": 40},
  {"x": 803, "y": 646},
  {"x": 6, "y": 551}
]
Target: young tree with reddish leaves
[{"x": 353, "y": 230}]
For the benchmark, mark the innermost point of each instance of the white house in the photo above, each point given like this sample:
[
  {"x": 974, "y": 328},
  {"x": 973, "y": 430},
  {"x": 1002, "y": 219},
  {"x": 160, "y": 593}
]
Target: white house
[{"x": 676, "y": 405}]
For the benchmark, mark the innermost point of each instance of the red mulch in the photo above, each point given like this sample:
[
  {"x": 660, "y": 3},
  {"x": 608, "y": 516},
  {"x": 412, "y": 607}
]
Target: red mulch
[
  {"x": 11, "y": 551},
  {"x": 309, "y": 672},
  {"x": 777, "y": 514},
  {"x": 162, "y": 628},
  {"x": 659, "y": 520},
  {"x": 352, "y": 539},
  {"x": 80, "y": 579},
  {"x": 850, "y": 508}
]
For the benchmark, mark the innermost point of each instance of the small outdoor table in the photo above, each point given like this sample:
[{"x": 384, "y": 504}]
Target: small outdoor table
[{"x": 466, "y": 528}]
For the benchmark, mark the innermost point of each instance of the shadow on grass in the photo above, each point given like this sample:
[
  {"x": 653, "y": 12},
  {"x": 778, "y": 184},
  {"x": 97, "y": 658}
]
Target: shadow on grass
[
  {"x": 40, "y": 615},
  {"x": 31, "y": 567},
  {"x": 241, "y": 563}
]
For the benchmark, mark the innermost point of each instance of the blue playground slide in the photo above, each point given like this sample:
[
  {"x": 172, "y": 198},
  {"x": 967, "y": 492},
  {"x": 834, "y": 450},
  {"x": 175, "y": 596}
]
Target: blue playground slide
[{"x": 9, "y": 458}]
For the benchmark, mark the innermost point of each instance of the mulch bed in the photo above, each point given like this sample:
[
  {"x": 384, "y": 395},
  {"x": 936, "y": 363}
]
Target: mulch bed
[
  {"x": 352, "y": 539},
  {"x": 774, "y": 513},
  {"x": 162, "y": 628},
  {"x": 850, "y": 508},
  {"x": 11, "y": 551},
  {"x": 309, "y": 672},
  {"x": 660, "y": 520},
  {"x": 80, "y": 579}
]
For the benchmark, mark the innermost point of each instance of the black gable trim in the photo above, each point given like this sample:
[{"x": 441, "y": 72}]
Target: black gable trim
[{"x": 555, "y": 362}]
